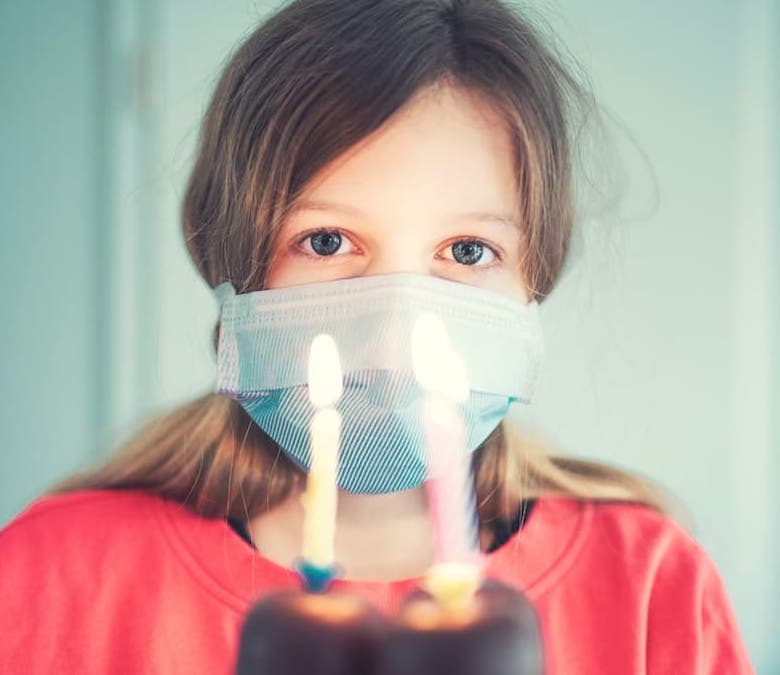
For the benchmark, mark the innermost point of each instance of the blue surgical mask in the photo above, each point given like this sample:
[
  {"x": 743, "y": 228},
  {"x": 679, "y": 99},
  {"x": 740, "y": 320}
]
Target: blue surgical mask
[{"x": 263, "y": 359}]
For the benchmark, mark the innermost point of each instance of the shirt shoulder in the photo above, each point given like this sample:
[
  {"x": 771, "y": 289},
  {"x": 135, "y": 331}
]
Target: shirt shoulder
[
  {"x": 688, "y": 609},
  {"x": 91, "y": 582},
  {"x": 74, "y": 510},
  {"x": 78, "y": 527},
  {"x": 655, "y": 547},
  {"x": 638, "y": 532}
]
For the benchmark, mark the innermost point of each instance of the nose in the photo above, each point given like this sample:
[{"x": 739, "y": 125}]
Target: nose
[{"x": 399, "y": 256}]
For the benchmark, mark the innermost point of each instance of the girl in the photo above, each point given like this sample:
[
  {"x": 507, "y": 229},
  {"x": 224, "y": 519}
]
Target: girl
[{"x": 358, "y": 157}]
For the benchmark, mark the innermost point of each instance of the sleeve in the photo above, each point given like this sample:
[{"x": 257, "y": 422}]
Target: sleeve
[
  {"x": 38, "y": 618},
  {"x": 18, "y": 595},
  {"x": 692, "y": 628}
]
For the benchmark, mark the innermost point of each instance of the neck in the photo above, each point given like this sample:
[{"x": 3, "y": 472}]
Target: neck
[
  {"x": 356, "y": 509},
  {"x": 378, "y": 537}
]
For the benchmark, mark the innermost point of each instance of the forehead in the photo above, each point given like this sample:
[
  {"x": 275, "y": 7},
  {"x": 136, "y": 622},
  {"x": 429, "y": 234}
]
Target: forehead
[{"x": 446, "y": 152}]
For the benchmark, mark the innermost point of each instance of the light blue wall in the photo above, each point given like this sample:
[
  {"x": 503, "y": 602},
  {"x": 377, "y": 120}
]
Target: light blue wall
[
  {"x": 662, "y": 336},
  {"x": 50, "y": 234}
]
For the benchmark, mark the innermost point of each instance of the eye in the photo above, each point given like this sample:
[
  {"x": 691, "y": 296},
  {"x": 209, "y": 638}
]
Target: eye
[
  {"x": 324, "y": 243},
  {"x": 472, "y": 252}
]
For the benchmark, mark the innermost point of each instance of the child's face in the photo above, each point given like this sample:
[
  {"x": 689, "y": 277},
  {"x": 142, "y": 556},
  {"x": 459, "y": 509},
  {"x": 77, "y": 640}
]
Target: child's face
[{"x": 407, "y": 199}]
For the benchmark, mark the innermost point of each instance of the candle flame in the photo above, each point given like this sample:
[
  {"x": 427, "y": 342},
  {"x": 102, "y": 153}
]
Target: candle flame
[
  {"x": 437, "y": 365},
  {"x": 325, "y": 379}
]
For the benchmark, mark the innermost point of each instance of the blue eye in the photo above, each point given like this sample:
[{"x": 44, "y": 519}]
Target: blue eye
[
  {"x": 472, "y": 252},
  {"x": 325, "y": 243}
]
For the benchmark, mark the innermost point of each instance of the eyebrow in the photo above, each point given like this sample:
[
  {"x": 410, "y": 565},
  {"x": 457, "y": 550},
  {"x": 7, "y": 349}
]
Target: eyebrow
[{"x": 322, "y": 205}]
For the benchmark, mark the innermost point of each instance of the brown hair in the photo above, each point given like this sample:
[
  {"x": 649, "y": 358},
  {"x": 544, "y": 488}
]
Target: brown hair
[{"x": 309, "y": 83}]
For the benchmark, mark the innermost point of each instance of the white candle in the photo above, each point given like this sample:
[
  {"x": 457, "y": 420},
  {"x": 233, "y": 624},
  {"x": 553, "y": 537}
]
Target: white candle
[{"x": 320, "y": 497}]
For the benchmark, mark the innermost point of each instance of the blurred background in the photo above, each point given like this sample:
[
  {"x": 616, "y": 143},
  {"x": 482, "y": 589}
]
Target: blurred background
[{"x": 661, "y": 335}]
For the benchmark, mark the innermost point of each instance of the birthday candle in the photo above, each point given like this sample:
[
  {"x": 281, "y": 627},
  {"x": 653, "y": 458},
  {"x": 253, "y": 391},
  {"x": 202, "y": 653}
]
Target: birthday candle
[
  {"x": 319, "y": 498},
  {"x": 440, "y": 371}
]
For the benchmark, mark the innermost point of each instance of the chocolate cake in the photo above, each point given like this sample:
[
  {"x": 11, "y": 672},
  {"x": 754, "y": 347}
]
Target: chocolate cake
[{"x": 297, "y": 633}]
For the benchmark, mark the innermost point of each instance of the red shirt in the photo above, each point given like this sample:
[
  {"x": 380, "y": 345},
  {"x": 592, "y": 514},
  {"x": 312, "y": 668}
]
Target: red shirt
[{"x": 126, "y": 582}]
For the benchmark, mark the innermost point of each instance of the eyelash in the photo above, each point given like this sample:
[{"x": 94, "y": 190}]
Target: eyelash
[{"x": 309, "y": 233}]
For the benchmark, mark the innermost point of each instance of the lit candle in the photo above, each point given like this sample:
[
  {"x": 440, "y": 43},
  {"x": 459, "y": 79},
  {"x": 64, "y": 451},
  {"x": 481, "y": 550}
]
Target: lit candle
[
  {"x": 440, "y": 371},
  {"x": 319, "y": 498}
]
